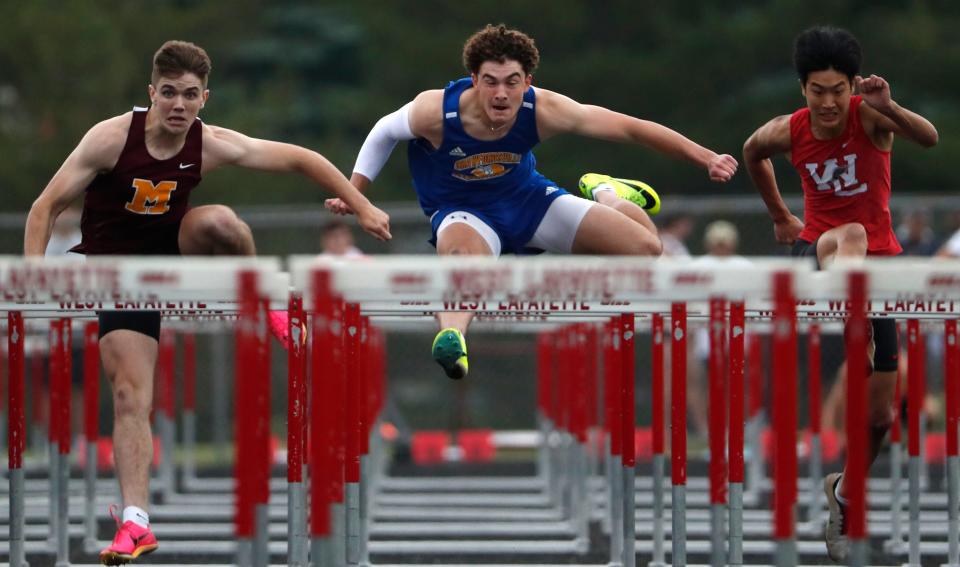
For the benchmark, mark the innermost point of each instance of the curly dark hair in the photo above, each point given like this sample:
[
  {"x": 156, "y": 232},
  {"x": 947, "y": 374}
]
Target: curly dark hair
[{"x": 498, "y": 43}]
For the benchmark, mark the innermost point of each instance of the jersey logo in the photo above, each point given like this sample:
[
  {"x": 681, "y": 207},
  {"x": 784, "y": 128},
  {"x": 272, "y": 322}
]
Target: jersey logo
[
  {"x": 150, "y": 199},
  {"x": 489, "y": 165},
  {"x": 551, "y": 190},
  {"x": 841, "y": 179},
  {"x": 457, "y": 151},
  {"x": 186, "y": 165}
]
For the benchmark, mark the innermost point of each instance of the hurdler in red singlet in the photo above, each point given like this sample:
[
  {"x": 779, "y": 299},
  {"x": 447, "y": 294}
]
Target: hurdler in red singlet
[
  {"x": 845, "y": 180},
  {"x": 840, "y": 145}
]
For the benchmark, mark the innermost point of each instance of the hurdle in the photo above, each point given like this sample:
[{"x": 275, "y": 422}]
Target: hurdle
[
  {"x": 657, "y": 290},
  {"x": 790, "y": 499}
]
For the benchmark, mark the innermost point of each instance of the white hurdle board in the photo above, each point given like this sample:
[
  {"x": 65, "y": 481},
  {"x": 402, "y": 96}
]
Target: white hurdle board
[
  {"x": 533, "y": 289},
  {"x": 175, "y": 285}
]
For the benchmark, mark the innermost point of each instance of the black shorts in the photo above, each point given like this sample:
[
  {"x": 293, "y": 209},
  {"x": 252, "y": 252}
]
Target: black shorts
[
  {"x": 805, "y": 248},
  {"x": 143, "y": 322},
  {"x": 887, "y": 351}
]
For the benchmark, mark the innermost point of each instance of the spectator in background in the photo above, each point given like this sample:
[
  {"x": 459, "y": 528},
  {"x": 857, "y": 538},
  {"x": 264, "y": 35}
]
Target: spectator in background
[
  {"x": 950, "y": 248},
  {"x": 720, "y": 240},
  {"x": 336, "y": 239},
  {"x": 674, "y": 231},
  {"x": 915, "y": 234}
]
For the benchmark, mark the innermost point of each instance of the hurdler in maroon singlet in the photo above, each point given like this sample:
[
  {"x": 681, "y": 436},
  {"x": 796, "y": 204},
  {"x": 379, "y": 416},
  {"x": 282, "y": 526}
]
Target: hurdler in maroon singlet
[
  {"x": 845, "y": 180},
  {"x": 137, "y": 207}
]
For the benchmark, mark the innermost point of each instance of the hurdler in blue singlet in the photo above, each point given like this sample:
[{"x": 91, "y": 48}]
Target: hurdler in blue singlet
[{"x": 497, "y": 181}]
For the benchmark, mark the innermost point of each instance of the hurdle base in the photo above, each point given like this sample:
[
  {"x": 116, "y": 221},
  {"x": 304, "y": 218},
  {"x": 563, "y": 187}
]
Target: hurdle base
[
  {"x": 91, "y": 546},
  {"x": 895, "y": 546}
]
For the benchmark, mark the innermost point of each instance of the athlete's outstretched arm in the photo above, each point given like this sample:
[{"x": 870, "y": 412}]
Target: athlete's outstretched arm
[
  {"x": 419, "y": 118},
  {"x": 98, "y": 151},
  {"x": 375, "y": 152},
  {"x": 222, "y": 147},
  {"x": 557, "y": 114},
  {"x": 769, "y": 140},
  {"x": 893, "y": 118}
]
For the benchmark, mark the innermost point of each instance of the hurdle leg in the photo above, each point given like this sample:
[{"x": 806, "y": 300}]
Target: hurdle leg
[
  {"x": 220, "y": 364},
  {"x": 815, "y": 494},
  {"x": 53, "y": 500},
  {"x": 659, "y": 559},
  {"x": 63, "y": 462},
  {"x": 629, "y": 517},
  {"x": 953, "y": 501},
  {"x": 951, "y": 386},
  {"x": 63, "y": 510},
  {"x": 617, "y": 510},
  {"x": 364, "y": 510},
  {"x": 261, "y": 537},
  {"x": 914, "y": 402},
  {"x": 581, "y": 517},
  {"x": 543, "y": 452},
  {"x": 894, "y": 545},
  {"x": 15, "y": 445},
  {"x": 90, "y": 488},
  {"x": 353, "y": 523},
  {"x": 678, "y": 417},
  {"x": 189, "y": 470},
  {"x": 914, "y": 544},
  {"x": 339, "y": 533},
  {"x": 295, "y": 519},
  {"x": 91, "y": 390},
  {"x": 606, "y": 522}
]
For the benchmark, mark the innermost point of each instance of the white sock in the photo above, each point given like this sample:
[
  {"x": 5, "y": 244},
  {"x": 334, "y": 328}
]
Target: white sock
[
  {"x": 601, "y": 188},
  {"x": 836, "y": 492},
  {"x": 136, "y": 515}
]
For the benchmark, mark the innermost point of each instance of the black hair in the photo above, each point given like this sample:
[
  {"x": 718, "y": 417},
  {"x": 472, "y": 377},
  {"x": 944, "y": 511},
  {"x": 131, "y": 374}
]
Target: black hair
[{"x": 823, "y": 47}]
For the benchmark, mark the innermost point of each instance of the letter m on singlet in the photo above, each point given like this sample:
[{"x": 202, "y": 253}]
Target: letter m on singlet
[{"x": 150, "y": 199}]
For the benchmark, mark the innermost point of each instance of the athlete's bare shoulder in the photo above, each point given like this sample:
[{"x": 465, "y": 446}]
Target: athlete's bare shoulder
[
  {"x": 221, "y": 146},
  {"x": 102, "y": 145},
  {"x": 426, "y": 116},
  {"x": 556, "y": 113},
  {"x": 771, "y": 138}
]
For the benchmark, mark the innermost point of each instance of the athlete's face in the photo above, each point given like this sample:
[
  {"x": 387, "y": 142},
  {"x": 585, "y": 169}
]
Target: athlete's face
[
  {"x": 177, "y": 101},
  {"x": 828, "y": 97},
  {"x": 500, "y": 88}
]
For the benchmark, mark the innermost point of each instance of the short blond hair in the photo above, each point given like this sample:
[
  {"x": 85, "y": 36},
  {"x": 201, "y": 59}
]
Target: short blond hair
[{"x": 721, "y": 232}]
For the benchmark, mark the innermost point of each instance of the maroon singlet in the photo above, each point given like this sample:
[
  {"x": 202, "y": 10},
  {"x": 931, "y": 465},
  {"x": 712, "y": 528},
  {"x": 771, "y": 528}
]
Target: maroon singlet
[{"x": 137, "y": 207}]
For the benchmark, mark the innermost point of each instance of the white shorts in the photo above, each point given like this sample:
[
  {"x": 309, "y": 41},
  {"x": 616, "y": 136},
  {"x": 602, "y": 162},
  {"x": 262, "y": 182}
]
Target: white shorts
[{"x": 555, "y": 233}]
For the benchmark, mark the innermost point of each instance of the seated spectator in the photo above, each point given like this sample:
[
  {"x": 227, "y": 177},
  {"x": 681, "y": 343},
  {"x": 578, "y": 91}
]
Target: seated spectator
[{"x": 915, "y": 234}]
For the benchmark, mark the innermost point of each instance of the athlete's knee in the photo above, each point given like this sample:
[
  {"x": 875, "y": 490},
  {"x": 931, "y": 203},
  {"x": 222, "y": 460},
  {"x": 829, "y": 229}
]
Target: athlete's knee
[
  {"x": 654, "y": 246},
  {"x": 646, "y": 244},
  {"x": 854, "y": 234},
  {"x": 130, "y": 397},
  {"x": 461, "y": 240},
  {"x": 215, "y": 229},
  {"x": 881, "y": 417},
  {"x": 457, "y": 249}
]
